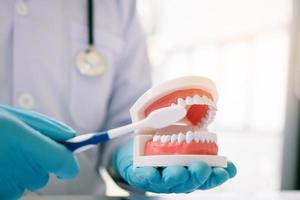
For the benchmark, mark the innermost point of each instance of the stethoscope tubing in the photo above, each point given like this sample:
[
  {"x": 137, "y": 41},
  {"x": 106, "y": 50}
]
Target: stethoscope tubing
[{"x": 90, "y": 22}]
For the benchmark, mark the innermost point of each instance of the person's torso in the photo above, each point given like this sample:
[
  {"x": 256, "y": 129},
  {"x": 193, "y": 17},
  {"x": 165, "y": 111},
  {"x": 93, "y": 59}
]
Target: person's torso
[
  {"x": 37, "y": 59},
  {"x": 38, "y": 48}
]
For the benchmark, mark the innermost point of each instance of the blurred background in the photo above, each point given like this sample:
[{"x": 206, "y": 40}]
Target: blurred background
[{"x": 244, "y": 46}]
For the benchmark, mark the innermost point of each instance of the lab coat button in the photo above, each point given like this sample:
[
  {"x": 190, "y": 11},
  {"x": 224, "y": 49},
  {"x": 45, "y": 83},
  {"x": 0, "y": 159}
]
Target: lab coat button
[
  {"x": 26, "y": 101},
  {"x": 21, "y": 8}
]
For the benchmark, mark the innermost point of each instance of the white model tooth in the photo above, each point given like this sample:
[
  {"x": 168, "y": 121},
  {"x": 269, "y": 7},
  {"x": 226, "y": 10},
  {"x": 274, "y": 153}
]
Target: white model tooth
[
  {"x": 205, "y": 100},
  {"x": 211, "y": 118},
  {"x": 208, "y": 116},
  {"x": 210, "y": 102},
  {"x": 200, "y": 124},
  {"x": 189, "y": 101},
  {"x": 202, "y": 137},
  {"x": 173, "y": 104},
  {"x": 189, "y": 136},
  {"x": 212, "y": 113},
  {"x": 156, "y": 138},
  {"x": 206, "y": 137},
  {"x": 197, "y": 99},
  {"x": 213, "y": 108},
  {"x": 197, "y": 136},
  {"x": 165, "y": 138},
  {"x": 174, "y": 138},
  {"x": 213, "y": 105},
  {"x": 214, "y": 138},
  {"x": 205, "y": 124},
  {"x": 210, "y": 138},
  {"x": 180, "y": 138},
  {"x": 203, "y": 120},
  {"x": 181, "y": 102},
  {"x": 162, "y": 139}
]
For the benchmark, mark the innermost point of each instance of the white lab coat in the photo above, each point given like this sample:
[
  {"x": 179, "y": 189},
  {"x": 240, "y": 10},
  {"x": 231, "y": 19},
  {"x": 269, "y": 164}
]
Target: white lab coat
[{"x": 39, "y": 41}]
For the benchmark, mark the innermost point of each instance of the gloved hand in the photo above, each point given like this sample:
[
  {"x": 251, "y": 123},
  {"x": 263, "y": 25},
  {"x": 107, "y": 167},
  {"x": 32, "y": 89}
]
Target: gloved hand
[
  {"x": 173, "y": 179},
  {"x": 29, "y": 151}
]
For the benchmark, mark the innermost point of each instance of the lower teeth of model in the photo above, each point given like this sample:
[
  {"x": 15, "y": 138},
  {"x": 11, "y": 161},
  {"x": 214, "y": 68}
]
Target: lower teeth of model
[{"x": 188, "y": 137}]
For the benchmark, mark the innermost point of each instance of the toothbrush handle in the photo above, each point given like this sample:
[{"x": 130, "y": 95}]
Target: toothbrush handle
[{"x": 86, "y": 141}]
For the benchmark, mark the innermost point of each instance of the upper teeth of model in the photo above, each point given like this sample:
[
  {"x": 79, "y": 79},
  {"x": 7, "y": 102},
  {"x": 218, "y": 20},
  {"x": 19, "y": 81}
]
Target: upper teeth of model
[
  {"x": 188, "y": 137},
  {"x": 196, "y": 99}
]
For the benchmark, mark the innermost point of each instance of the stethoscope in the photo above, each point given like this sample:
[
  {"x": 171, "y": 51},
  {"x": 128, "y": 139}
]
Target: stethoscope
[{"x": 90, "y": 62}]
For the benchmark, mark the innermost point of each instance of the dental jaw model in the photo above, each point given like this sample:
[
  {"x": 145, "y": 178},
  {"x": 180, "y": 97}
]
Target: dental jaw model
[{"x": 186, "y": 141}]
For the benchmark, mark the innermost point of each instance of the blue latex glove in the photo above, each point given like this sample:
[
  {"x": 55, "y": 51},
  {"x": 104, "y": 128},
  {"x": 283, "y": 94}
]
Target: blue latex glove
[
  {"x": 173, "y": 179},
  {"x": 29, "y": 151}
]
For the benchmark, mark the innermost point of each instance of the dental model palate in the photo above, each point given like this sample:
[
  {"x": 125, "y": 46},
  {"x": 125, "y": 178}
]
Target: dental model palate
[
  {"x": 158, "y": 119},
  {"x": 186, "y": 141}
]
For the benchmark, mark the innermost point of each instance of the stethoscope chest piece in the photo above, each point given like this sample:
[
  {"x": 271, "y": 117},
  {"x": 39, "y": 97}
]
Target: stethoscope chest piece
[{"x": 91, "y": 63}]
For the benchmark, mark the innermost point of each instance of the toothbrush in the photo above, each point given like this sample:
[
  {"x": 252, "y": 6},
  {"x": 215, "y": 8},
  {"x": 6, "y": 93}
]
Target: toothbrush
[{"x": 157, "y": 119}]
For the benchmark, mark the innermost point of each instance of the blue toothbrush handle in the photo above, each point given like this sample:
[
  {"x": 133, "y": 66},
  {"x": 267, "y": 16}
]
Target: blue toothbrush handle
[{"x": 86, "y": 141}]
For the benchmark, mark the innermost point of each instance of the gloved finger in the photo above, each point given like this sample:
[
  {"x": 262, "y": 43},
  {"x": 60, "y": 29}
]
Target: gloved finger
[
  {"x": 34, "y": 176},
  {"x": 231, "y": 169},
  {"x": 122, "y": 158},
  {"x": 48, "y": 154},
  {"x": 199, "y": 172},
  {"x": 10, "y": 190},
  {"x": 38, "y": 183},
  {"x": 143, "y": 176},
  {"x": 174, "y": 175},
  {"x": 146, "y": 178},
  {"x": 218, "y": 177},
  {"x": 44, "y": 124},
  {"x": 186, "y": 187}
]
